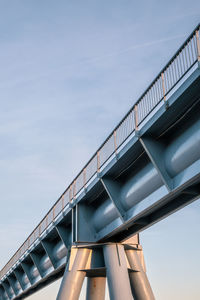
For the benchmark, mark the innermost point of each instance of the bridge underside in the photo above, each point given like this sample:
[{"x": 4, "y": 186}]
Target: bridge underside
[{"x": 154, "y": 174}]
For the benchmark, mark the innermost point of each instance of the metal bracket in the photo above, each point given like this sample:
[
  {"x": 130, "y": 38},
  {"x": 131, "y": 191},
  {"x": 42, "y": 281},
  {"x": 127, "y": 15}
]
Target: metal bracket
[
  {"x": 18, "y": 276},
  {"x": 84, "y": 230},
  {"x": 113, "y": 190},
  {"x": 48, "y": 249},
  {"x": 26, "y": 269},
  {"x": 62, "y": 234},
  {"x": 155, "y": 151},
  {"x": 10, "y": 280},
  {"x": 5, "y": 286},
  {"x": 36, "y": 261}
]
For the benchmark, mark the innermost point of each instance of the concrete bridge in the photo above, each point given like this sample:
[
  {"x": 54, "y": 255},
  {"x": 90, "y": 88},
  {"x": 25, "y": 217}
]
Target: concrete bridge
[{"x": 147, "y": 168}]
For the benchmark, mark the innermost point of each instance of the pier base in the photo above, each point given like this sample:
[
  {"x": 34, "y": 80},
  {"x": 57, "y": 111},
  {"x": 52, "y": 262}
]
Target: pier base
[{"x": 121, "y": 263}]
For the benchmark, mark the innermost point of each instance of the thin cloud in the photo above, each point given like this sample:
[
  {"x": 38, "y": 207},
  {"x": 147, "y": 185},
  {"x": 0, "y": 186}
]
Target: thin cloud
[{"x": 134, "y": 47}]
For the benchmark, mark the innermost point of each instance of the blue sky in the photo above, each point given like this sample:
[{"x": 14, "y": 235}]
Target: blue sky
[{"x": 69, "y": 72}]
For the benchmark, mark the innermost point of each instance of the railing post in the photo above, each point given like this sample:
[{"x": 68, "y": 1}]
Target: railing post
[
  {"x": 54, "y": 212},
  {"x": 115, "y": 141},
  {"x": 164, "y": 92},
  {"x": 163, "y": 86},
  {"x": 136, "y": 117},
  {"x": 39, "y": 229},
  {"x": 98, "y": 162},
  {"x": 70, "y": 194},
  {"x": 84, "y": 177},
  {"x": 198, "y": 45},
  {"x": 74, "y": 189},
  {"x": 62, "y": 202}
]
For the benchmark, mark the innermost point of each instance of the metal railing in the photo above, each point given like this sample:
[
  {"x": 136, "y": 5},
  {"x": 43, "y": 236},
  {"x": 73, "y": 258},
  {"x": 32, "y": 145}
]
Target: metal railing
[{"x": 184, "y": 59}]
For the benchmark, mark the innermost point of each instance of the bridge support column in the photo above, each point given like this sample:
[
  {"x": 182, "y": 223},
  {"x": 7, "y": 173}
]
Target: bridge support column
[
  {"x": 96, "y": 288},
  {"x": 122, "y": 264},
  {"x": 139, "y": 282},
  {"x": 117, "y": 272},
  {"x": 73, "y": 277}
]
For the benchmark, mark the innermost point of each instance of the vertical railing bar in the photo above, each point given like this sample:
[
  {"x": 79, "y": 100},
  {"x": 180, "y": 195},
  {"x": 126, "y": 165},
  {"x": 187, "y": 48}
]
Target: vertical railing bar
[
  {"x": 98, "y": 162},
  {"x": 168, "y": 70},
  {"x": 74, "y": 189},
  {"x": 177, "y": 64},
  {"x": 198, "y": 45},
  {"x": 54, "y": 212},
  {"x": 145, "y": 108},
  {"x": 115, "y": 141},
  {"x": 155, "y": 94},
  {"x": 171, "y": 75},
  {"x": 151, "y": 98},
  {"x": 136, "y": 116},
  {"x": 84, "y": 177},
  {"x": 157, "y": 89},
  {"x": 63, "y": 202},
  {"x": 173, "y": 71},
  {"x": 188, "y": 50},
  {"x": 182, "y": 64},
  {"x": 166, "y": 80},
  {"x": 163, "y": 86},
  {"x": 184, "y": 60},
  {"x": 194, "y": 47},
  {"x": 148, "y": 101},
  {"x": 160, "y": 88},
  {"x": 70, "y": 193},
  {"x": 192, "y": 51},
  {"x": 187, "y": 58}
]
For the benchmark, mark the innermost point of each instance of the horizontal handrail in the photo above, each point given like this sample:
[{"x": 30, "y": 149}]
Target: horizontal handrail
[{"x": 183, "y": 60}]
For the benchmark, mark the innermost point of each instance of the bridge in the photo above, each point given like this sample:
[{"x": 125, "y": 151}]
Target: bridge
[{"x": 147, "y": 168}]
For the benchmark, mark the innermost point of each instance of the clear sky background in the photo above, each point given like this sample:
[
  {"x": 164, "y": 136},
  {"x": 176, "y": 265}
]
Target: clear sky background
[{"x": 69, "y": 71}]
